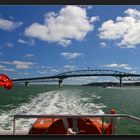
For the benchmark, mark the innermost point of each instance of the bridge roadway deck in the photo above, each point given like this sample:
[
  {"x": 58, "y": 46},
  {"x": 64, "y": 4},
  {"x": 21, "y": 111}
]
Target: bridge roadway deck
[{"x": 83, "y": 73}]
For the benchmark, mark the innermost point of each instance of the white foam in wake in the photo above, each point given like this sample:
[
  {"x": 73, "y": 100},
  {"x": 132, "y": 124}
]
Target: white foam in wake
[{"x": 53, "y": 102}]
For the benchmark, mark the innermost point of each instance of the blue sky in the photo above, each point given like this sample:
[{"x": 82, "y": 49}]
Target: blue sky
[{"x": 47, "y": 40}]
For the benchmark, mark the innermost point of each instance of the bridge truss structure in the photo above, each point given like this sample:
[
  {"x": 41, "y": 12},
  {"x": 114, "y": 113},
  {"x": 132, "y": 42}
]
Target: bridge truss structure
[{"x": 121, "y": 76}]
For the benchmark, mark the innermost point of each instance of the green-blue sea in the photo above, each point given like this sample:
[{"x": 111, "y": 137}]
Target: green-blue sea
[{"x": 68, "y": 99}]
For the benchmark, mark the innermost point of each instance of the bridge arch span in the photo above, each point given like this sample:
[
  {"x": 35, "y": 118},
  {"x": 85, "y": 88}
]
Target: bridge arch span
[{"x": 96, "y": 72}]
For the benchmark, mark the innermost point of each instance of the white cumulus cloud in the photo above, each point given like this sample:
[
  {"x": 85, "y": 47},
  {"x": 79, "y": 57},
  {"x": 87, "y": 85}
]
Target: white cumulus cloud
[
  {"x": 23, "y": 64},
  {"x": 26, "y": 42},
  {"x": 28, "y": 55},
  {"x": 55, "y": 70},
  {"x": 4, "y": 68},
  {"x": 126, "y": 29},
  {"x": 103, "y": 45},
  {"x": 70, "y": 23},
  {"x": 42, "y": 72},
  {"x": 9, "y": 25},
  {"x": 19, "y": 64},
  {"x": 69, "y": 67},
  {"x": 115, "y": 65},
  {"x": 69, "y": 55}
]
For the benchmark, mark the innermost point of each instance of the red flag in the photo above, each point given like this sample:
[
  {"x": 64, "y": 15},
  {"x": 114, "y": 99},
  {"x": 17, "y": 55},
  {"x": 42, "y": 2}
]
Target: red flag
[{"x": 6, "y": 82}]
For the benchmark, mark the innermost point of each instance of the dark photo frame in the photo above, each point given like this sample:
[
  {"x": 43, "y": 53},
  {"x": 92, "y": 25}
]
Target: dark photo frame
[{"x": 107, "y": 31}]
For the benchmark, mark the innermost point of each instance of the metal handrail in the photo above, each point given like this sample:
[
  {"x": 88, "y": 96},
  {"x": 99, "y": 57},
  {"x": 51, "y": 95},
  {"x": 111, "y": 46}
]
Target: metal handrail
[{"x": 130, "y": 117}]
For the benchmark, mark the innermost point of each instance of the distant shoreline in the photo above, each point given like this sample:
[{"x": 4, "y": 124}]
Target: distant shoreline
[{"x": 116, "y": 84}]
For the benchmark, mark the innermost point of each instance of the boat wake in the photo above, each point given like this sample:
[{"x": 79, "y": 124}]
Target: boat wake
[{"x": 52, "y": 102}]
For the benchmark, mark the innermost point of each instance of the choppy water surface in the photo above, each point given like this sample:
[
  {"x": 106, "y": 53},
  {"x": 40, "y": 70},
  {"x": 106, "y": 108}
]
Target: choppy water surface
[{"x": 49, "y": 99}]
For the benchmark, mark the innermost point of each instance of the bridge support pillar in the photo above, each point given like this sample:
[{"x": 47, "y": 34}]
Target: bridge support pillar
[
  {"x": 26, "y": 84},
  {"x": 120, "y": 81},
  {"x": 60, "y": 82}
]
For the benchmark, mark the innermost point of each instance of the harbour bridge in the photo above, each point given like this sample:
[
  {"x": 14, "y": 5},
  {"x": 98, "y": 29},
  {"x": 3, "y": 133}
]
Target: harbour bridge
[{"x": 121, "y": 76}]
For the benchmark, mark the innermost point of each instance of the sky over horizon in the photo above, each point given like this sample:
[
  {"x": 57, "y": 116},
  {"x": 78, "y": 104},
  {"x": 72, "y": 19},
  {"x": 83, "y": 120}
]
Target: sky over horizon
[{"x": 38, "y": 41}]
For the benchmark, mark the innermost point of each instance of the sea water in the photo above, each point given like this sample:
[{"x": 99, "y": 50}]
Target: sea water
[{"x": 68, "y": 99}]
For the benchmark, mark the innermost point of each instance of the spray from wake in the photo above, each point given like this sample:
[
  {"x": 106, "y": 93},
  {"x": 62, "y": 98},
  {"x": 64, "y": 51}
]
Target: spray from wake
[{"x": 53, "y": 102}]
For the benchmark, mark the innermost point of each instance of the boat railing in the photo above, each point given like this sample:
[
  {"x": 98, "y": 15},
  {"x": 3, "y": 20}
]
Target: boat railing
[{"x": 112, "y": 116}]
